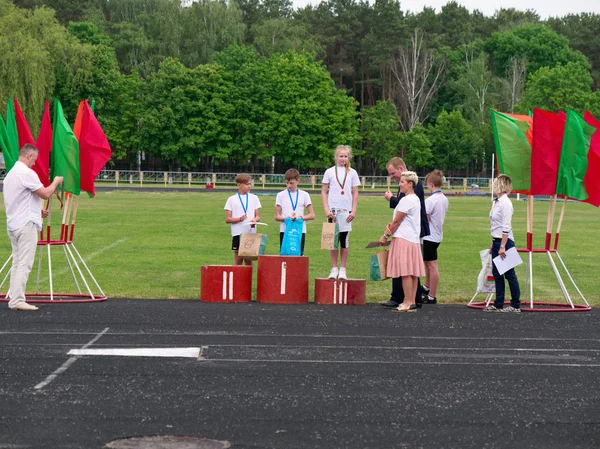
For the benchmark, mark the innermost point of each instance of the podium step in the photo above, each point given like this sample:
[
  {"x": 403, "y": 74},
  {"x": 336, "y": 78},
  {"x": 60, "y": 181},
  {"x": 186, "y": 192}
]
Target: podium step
[
  {"x": 349, "y": 292},
  {"x": 225, "y": 283}
]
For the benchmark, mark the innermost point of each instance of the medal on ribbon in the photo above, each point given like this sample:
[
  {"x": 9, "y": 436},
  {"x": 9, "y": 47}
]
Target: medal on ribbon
[
  {"x": 294, "y": 205},
  {"x": 343, "y": 183}
]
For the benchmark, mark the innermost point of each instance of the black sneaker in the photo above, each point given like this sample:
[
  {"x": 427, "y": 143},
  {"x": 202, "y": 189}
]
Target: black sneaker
[
  {"x": 390, "y": 303},
  {"x": 429, "y": 300}
]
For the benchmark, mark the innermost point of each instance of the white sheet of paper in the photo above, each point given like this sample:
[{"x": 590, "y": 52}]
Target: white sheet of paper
[
  {"x": 511, "y": 260},
  {"x": 260, "y": 223},
  {"x": 343, "y": 225}
]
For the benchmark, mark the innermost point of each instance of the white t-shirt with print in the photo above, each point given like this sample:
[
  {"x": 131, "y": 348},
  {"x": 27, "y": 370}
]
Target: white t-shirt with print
[
  {"x": 335, "y": 199},
  {"x": 234, "y": 204},
  {"x": 436, "y": 207},
  {"x": 301, "y": 201},
  {"x": 410, "y": 228}
]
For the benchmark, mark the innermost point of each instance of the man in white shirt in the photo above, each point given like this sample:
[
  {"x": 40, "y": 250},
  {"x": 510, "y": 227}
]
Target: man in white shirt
[{"x": 22, "y": 193}]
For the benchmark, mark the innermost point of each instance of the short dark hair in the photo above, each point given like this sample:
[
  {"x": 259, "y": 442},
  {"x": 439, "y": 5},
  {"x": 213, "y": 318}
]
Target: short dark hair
[
  {"x": 243, "y": 178},
  {"x": 435, "y": 178}
]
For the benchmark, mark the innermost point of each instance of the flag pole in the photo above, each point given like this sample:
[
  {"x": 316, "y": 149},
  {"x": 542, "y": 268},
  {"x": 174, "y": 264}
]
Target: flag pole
[
  {"x": 66, "y": 211},
  {"x": 550, "y": 221},
  {"x": 562, "y": 214},
  {"x": 73, "y": 218}
]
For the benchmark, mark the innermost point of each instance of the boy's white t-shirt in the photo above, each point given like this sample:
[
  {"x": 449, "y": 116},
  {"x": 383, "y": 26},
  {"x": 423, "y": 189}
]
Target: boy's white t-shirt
[
  {"x": 335, "y": 199},
  {"x": 410, "y": 228},
  {"x": 436, "y": 207},
  {"x": 234, "y": 204},
  {"x": 283, "y": 200}
]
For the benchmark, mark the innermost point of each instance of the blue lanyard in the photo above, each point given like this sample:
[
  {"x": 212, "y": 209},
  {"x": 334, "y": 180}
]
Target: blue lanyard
[
  {"x": 437, "y": 191},
  {"x": 292, "y": 201},
  {"x": 246, "y": 207}
]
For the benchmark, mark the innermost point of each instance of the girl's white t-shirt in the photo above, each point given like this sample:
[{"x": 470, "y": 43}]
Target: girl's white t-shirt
[
  {"x": 335, "y": 199},
  {"x": 436, "y": 206},
  {"x": 410, "y": 228},
  {"x": 234, "y": 204},
  {"x": 283, "y": 200}
]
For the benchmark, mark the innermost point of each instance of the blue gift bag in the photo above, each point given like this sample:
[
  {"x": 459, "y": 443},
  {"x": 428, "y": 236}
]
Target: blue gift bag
[{"x": 292, "y": 237}]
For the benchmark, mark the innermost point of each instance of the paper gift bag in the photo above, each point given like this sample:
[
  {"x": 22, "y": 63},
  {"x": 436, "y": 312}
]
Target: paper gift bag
[
  {"x": 378, "y": 269},
  {"x": 330, "y": 236},
  {"x": 252, "y": 245}
]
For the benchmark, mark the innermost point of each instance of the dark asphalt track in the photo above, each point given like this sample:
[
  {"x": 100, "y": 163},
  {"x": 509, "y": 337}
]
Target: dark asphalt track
[{"x": 304, "y": 376}]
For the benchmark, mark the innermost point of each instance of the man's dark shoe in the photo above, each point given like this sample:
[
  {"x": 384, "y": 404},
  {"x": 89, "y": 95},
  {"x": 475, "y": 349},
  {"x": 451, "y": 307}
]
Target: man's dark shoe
[
  {"x": 390, "y": 303},
  {"x": 419, "y": 304},
  {"x": 429, "y": 300}
]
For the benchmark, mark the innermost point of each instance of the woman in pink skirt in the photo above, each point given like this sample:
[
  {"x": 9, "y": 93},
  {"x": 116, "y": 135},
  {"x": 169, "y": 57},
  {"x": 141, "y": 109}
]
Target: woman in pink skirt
[{"x": 405, "y": 259}]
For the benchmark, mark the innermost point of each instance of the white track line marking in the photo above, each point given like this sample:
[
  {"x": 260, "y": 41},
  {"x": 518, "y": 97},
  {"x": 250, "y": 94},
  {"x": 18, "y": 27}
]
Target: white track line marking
[
  {"x": 139, "y": 352},
  {"x": 65, "y": 366}
]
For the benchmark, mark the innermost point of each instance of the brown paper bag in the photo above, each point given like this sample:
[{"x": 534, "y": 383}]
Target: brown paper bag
[
  {"x": 252, "y": 245},
  {"x": 378, "y": 268},
  {"x": 330, "y": 236}
]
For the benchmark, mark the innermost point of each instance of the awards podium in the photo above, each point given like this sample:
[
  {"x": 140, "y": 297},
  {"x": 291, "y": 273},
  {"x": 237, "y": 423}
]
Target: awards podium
[
  {"x": 346, "y": 292},
  {"x": 225, "y": 283},
  {"x": 282, "y": 279}
]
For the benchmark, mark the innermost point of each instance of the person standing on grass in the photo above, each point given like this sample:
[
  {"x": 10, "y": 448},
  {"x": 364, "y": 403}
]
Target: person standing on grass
[
  {"x": 339, "y": 194},
  {"x": 405, "y": 260},
  {"x": 291, "y": 203},
  {"x": 436, "y": 206},
  {"x": 242, "y": 211},
  {"x": 503, "y": 240},
  {"x": 395, "y": 167},
  {"x": 23, "y": 193}
]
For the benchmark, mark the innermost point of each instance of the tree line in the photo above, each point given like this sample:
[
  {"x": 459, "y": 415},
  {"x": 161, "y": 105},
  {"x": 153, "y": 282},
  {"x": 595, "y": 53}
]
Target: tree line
[{"x": 259, "y": 86}]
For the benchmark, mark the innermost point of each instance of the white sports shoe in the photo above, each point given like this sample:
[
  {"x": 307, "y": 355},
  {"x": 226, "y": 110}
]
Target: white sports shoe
[
  {"x": 334, "y": 273},
  {"x": 342, "y": 274}
]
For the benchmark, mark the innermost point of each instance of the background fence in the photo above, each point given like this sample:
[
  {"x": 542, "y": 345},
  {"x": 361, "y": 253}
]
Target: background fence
[{"x": 125, "y": 178}]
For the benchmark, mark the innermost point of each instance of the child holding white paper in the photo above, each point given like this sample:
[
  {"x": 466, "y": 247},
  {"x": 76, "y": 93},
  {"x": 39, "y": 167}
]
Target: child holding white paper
[
  {"x": 242, "y": 212},
  {"x": 339, "y": 194},
  {"x": 291, "y": 203},
  {"x": 503, "y": 240}
]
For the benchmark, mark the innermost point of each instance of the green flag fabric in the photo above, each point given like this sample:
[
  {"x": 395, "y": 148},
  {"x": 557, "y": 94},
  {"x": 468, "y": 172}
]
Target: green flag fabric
[
  {"x": 65, "y": 152},
  {"x": 513, "y": 149},
  {"x": 573, "y": 157},
  {"x": 9, "y": 137}
]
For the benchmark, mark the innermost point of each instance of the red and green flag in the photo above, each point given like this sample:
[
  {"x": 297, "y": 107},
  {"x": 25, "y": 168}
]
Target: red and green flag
[
  {"x": 10, "y": 137},
  {"x": 65, "y": 152},
  {"x": 545, "y": 151},
  {"x": 573, "y": 159},
  {"x": 44, "y": 146},
  {"x": 590, "y": 180},
  {"x": 513, "y": 148},
  {"x": 94, "y": 149}
]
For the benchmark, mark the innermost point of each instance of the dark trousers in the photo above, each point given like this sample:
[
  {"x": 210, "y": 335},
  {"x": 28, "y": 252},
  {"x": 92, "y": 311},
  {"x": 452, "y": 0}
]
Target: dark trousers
[
  {"x": 511, "y": 277},
  {"x": 398, "y": 291}
]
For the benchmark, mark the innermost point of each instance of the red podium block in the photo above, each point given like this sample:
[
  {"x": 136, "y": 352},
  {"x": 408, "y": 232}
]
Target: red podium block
[
  {"x": 350, "y": 292},
  {"x": 225, "y": 283},
  {"x": 282, "y": 279}
]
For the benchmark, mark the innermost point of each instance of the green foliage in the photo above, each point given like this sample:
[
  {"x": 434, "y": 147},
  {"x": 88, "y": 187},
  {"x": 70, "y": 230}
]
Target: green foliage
[
  {"x": 453, "y": 142},
  {"x": 417, "y": 145},
  {"x": 282, "y": 35},
  {"x": 541, "y": 46},
  {"x": 381, "y": 134},
  {"x": 559, "y": 88}
]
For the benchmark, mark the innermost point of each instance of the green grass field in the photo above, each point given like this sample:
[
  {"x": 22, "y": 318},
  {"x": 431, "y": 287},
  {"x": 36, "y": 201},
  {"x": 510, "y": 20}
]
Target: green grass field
[{"x": 151, "y": 245}]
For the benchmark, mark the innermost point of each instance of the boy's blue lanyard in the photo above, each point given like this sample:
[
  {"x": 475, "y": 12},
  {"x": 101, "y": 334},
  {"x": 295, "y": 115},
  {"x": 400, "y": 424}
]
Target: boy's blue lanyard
[
  {"x": 241, "y": 202},
  {"x": 437, "y": 191},
  {"x": 294, "y": 205}
]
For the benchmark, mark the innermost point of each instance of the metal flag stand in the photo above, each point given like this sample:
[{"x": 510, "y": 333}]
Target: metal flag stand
[
  {"x": 568, "y": 305},
  {"x": 74, "y": 261}
]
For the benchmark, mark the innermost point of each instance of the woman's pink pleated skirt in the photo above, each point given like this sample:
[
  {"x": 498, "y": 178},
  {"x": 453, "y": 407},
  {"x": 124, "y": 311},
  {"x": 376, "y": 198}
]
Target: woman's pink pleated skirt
[{"x": 405, "y": 259}]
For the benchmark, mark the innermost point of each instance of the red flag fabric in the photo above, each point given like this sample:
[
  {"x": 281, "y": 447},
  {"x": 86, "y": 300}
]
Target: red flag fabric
[
  {"x": 94, "y": 150},
  {"x": 545, "y": 151},
  {"x": 22, "y": 127},
  {"x": 78, "y": 120},
  {"x": 44, "y": 146},
  {"x": 591, "y": 181}
]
